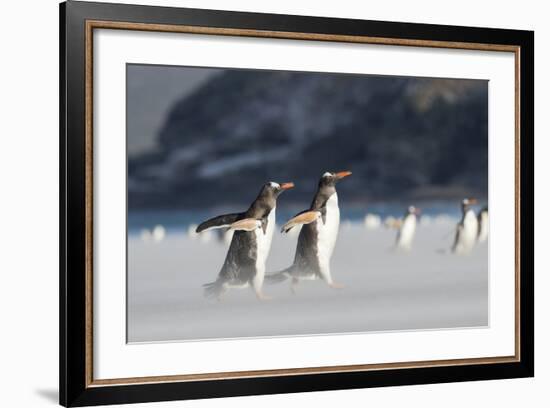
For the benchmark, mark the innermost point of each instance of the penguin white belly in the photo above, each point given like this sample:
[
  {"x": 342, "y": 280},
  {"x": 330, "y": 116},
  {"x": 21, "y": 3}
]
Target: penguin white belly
[
  {"x": 406, "y": 234},
  {"x": 327, "y": 233},
  {"x": 468, "y": 234},
  {"x": 263, "y": 246},
  {"x": 483, "y": 227}
]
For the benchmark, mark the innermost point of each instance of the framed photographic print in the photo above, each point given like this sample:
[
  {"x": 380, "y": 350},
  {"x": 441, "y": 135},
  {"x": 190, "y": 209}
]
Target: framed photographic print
[{"x": 255, "y": 203}]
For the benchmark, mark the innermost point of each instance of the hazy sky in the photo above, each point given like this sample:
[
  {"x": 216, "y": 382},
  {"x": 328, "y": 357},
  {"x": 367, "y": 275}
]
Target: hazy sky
[{"x": 163, "y": 86}]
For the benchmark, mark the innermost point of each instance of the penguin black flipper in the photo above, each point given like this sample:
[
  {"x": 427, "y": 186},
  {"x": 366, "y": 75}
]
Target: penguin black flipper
[
  {"x": 220, "y": 221},
  {"x": 457, "y": 236}
]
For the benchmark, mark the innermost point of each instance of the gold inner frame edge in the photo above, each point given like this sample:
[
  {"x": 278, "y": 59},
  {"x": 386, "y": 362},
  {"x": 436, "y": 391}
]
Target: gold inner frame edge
[{"x": 93, "y": 24}]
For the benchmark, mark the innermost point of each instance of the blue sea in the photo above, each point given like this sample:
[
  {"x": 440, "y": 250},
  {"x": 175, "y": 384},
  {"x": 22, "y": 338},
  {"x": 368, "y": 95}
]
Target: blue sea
[{"x": 180, "y": 220}]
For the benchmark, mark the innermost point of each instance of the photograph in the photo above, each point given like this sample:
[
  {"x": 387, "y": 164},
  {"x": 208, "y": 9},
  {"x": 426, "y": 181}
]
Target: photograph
[
  {"x": 265, "y": 203},
  {"x": 260, "y": 203}
]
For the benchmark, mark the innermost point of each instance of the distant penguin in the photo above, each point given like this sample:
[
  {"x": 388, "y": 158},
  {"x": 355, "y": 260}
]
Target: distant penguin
[
  {"x": 244, "y": 264},
  {"x": 405, "y": 235},
  {"x": 483, "y": 225},
  {"x": 372, "y": 221},
  {"x": 159, "y": 232},
  {"x": 466, "y": 229},
  {"x": 392, "y": 223},
  {"x": 317, "y": 237}
]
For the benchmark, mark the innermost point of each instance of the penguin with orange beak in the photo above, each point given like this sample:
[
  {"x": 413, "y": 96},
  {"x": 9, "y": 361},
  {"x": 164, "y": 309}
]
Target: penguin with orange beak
[
  {"x": 466, "y": 229},
  {"x": 244, "y": 264},
  {"x": 319, "y": 231}
]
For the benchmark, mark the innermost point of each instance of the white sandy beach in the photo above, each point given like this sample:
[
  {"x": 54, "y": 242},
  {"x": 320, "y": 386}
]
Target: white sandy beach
[{"x": 384, "y": 290}]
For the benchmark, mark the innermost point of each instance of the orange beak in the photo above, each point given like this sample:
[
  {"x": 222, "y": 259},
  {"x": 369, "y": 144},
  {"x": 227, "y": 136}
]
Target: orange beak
[
  {"x": 417, "y": 211},
  {"x": 287, "y": 186},
  {"x": 472, "y": 201},
  {"x": 342, "y": 174}
]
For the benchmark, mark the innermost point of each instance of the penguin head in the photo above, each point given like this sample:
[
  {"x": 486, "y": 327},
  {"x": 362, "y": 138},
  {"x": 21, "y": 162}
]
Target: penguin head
[
  {"x": 327, "y": 187},
  {"x": 413, "y": 210},
  {"x": 330, "y": 179},
  {"x": 467, "y": 202},
  {"x": 271, "y": 190}
]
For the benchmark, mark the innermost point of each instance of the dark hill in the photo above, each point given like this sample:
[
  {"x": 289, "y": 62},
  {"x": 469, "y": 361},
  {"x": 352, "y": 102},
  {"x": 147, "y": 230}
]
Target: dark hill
[{"x": 403, "y": 138}]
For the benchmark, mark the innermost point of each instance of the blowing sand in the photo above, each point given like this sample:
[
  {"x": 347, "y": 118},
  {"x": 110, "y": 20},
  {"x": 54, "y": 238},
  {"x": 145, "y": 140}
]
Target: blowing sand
[{"x": 384, "y": 290}]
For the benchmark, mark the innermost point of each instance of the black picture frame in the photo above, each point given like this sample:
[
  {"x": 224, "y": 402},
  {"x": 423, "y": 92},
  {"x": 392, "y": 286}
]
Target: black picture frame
[{"x": 75, "y": 387}]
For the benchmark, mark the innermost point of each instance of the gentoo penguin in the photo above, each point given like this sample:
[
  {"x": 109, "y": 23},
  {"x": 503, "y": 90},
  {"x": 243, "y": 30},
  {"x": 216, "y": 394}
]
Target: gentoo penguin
[
  {"x": 244, "y": 264},
  {"x": 317, "y": 237},
  {"x": 466, "y": 229},
  {"x": 483, "y": 225},
  {"x": 405, "y": 235}
]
